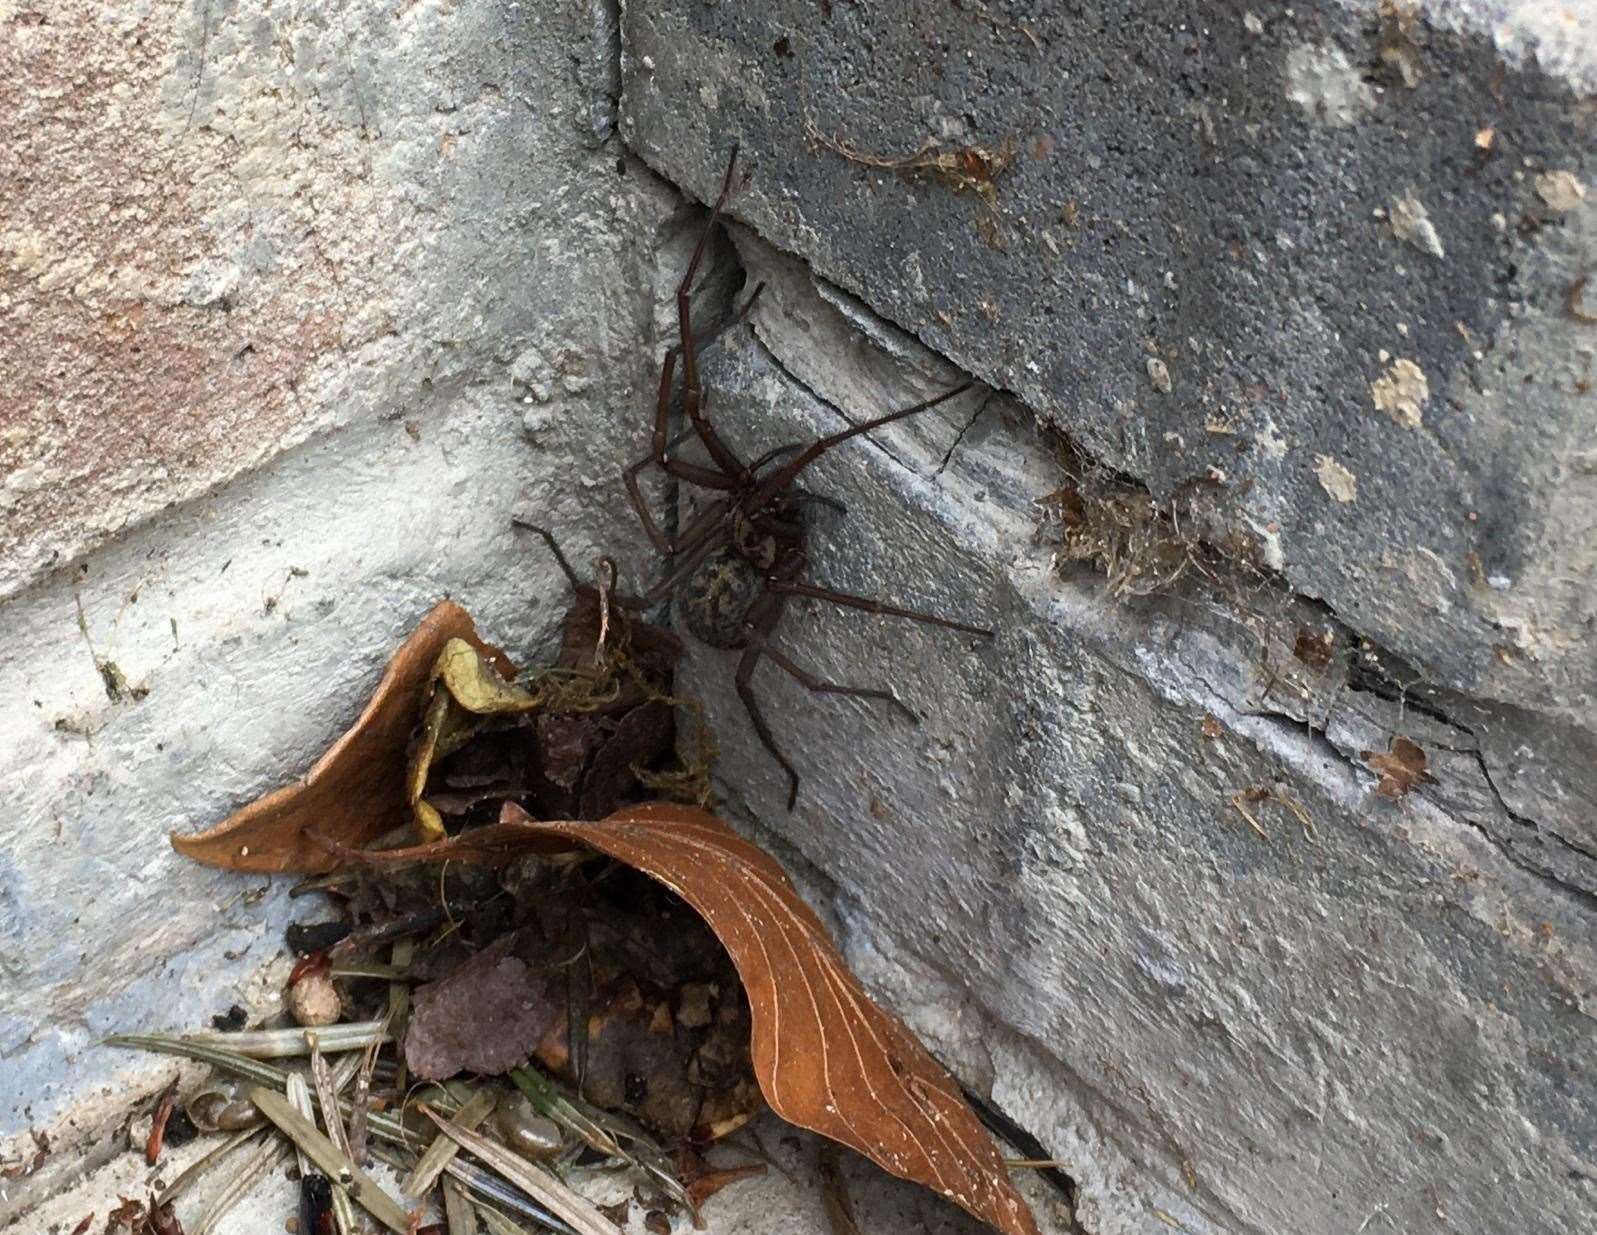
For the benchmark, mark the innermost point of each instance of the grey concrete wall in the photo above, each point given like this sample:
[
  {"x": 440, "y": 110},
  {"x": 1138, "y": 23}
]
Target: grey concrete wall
[
  {"x": 327, "y": 290},
  {"x": 1322, "y": 260},
  {"x": 212, "y": 537},
  {"x": 1304, "y": 280}
]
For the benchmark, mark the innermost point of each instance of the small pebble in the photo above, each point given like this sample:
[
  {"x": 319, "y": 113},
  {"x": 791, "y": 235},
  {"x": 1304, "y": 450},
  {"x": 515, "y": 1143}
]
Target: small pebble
[
  {"x": 220, "y": 1107},
  {"x": 528, "y": 1133},
  {"x": 313, "y": 1001}
]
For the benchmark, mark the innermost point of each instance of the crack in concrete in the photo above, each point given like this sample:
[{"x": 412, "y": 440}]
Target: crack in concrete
[
  {"x": 1504, "y": 845},
  {"x": 969, "y": 424},
  {"x": 776, "y": 363}
]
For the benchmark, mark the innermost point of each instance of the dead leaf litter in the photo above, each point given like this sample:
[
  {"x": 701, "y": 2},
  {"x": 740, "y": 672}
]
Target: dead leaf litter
[{"x": 542, "y": 973}]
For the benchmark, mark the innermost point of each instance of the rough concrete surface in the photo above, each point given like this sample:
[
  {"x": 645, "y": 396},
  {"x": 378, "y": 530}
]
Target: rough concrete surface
[
  {"x": 1326, "y": 260},
  {"x": 1135, "y": 850},
  {"x": 437, "y": 174},
  {"x": 391, "y": 273}
]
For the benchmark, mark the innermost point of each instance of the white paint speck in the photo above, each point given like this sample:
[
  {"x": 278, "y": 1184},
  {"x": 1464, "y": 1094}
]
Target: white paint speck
[
  {"x": 1412, "y": 224},
  {"x": 1327, "y": 85},
  {"x": 1335, "y": 479}
]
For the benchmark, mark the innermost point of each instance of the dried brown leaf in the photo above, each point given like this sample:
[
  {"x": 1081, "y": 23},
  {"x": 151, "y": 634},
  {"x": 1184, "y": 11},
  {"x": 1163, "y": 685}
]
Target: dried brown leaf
[
  {"x": 485, "y": 1017},
  {"x": 1401, "y": 767},
  {"x": 356, "y": 791},
  {"x": 826, "y": 1056},
  {"x": 1314, "y": 649}
]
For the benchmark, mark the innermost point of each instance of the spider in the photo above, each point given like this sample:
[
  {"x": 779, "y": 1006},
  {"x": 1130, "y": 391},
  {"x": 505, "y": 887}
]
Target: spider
[{"x": 735, "y": 566}]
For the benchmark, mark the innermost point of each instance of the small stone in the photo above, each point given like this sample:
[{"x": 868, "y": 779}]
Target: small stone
[
  {"x": 1159, "y": 375},
  {"x": 1412, "y": 224},
  {"x": 530, "y": 1134},
  {"x": 1560, "y": 190},
  {"x": 314, "y": 1001}
]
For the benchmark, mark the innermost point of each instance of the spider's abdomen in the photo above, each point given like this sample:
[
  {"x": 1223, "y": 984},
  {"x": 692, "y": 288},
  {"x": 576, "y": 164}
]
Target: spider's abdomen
[{"x": 718, "y": 595}]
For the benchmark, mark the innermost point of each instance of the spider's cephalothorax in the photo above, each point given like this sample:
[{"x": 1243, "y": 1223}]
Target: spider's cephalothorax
[{"x": 734, "y": 565}]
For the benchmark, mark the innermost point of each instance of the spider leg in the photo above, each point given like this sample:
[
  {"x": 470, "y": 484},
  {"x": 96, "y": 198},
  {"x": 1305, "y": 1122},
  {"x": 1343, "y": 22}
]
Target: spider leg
[
  {"x": 702, "y": 477},
  {"x": 577, "y": 585},
  {"x": 763, "y": 617},
  {"x": 692, "y": 394},
  {"x": 660, "y": 449},
  {"x": 796, "y": 588},
  {"x": 820, "y": 687},
  {"x": 706, "y": 536},
  {"x": 784, "y": 476}
]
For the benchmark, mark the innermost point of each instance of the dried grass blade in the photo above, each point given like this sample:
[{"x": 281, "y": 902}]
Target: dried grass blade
[
  {"x": 543, "y": 1187},
  {"x": 496, "y": 1222},
  {"x": 402, "y": 954},
  {"x": 333, "y": 1164},
  {"x": 299, "y": 1097},
  {"x": 265, "y": 1159},
  {"x": 229, "y": 1061},
  {"x": 601, "y": 1130},
  {"x": 356, "y": 1146},
  {"x": 290, "y": 1043},
  {"x": 486, "y": 1183},
  {"x": 327, "y": 1088},
  {"x": 420, "y": 1181},
  {"x": 459, "y": 1216},
  {"x": 197, "y": 1168}
]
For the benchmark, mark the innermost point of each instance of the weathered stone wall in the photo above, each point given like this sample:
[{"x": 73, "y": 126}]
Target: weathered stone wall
[
  {"x": 1310, "y": 284},
  {"x": 1326, "y": 261},
  {"x": 302, "y": 300},
  {"x": 299, "y": 301}
]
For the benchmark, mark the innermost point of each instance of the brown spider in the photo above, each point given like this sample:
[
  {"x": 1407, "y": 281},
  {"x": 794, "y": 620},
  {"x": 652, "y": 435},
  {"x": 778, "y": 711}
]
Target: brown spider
[{"x": 737, "y": 563}]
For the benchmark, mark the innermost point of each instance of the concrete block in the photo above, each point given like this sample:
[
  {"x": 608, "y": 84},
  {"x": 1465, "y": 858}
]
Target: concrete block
[
  {"x": 1129, "y": 875},
  {"x": 1328, "y": 261},
  {"x": 1131, "y": 870},
  {"x": 302, "y": 302}
]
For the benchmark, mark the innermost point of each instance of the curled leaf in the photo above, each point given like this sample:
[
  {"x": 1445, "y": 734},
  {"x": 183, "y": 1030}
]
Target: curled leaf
[
  {"x": 356, "y": 791},
  {"x": 826, "y": 1057},
  {"x": 476, "y": 683},
  {"x": 445, "y": 726},
  {"x": 1401, "y": 767}
]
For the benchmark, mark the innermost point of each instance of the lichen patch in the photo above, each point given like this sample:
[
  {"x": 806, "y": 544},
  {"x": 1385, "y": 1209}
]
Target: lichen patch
[
  {"x": 1402, "y": 392},
  {"x": 1335, "y": 479}
]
